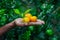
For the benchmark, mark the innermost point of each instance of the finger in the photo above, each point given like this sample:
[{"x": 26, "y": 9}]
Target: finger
[
  {"x": 43, "y": 22},
  {"x": 40, "y": 21},
  {"x": 35, "y": 23}
]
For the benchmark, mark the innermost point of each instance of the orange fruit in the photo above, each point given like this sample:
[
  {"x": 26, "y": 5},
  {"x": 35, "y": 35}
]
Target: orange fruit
[
  {"x": 33, "y": 19},
  {"x": 28, "y": 15},
  {"x": 26, "y": 19}
]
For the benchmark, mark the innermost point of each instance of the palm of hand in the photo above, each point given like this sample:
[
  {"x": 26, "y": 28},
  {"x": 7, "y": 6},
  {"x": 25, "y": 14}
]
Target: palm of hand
[{"x": 19, "y": 22}]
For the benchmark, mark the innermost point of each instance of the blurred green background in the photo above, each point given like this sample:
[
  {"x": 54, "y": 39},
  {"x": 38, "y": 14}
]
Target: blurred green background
[{"x": 47, "y": 10}]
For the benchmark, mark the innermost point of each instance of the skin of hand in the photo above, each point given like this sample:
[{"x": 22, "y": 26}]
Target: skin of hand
[{"x": 19, "y": 22}]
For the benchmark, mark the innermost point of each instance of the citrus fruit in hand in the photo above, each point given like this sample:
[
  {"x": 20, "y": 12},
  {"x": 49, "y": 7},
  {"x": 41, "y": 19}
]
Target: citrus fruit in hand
[
  {"x": 33, "y": 19},
  {"x": 49, "y": 32},
  {"x": 28, "y": 15},
  {"x": 26, "y": 19}
]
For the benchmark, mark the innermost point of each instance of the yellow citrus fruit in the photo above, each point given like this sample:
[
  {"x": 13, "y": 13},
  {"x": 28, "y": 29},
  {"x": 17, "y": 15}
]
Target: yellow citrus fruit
[
  {"x": 26, "y": 19},
  {"x": 28, "y": 15},
  {"x": 33, "y": 19}
]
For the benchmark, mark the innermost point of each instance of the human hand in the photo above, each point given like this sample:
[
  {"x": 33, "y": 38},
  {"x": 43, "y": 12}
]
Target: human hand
[{"x": 19, "y": 22}]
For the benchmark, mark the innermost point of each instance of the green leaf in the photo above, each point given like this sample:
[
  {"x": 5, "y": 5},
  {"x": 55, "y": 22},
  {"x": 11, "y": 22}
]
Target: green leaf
[
  {"x": 28, "y": 10},
  {"x": 31, "y": 28},
  {"x": 2, "y": 11},
  {"x": 16, "y": 11},
  {"x": 26, "y": 35}
]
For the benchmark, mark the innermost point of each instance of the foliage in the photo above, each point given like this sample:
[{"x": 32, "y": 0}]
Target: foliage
[{"x": 47, "y": 10}]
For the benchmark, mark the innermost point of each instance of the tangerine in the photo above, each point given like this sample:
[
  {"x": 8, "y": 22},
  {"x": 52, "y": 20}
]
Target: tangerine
[
  {"x": 33, "y": 19},
  {"x": 26, "y": 19},
  {"x": 28, "y": 15}
]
